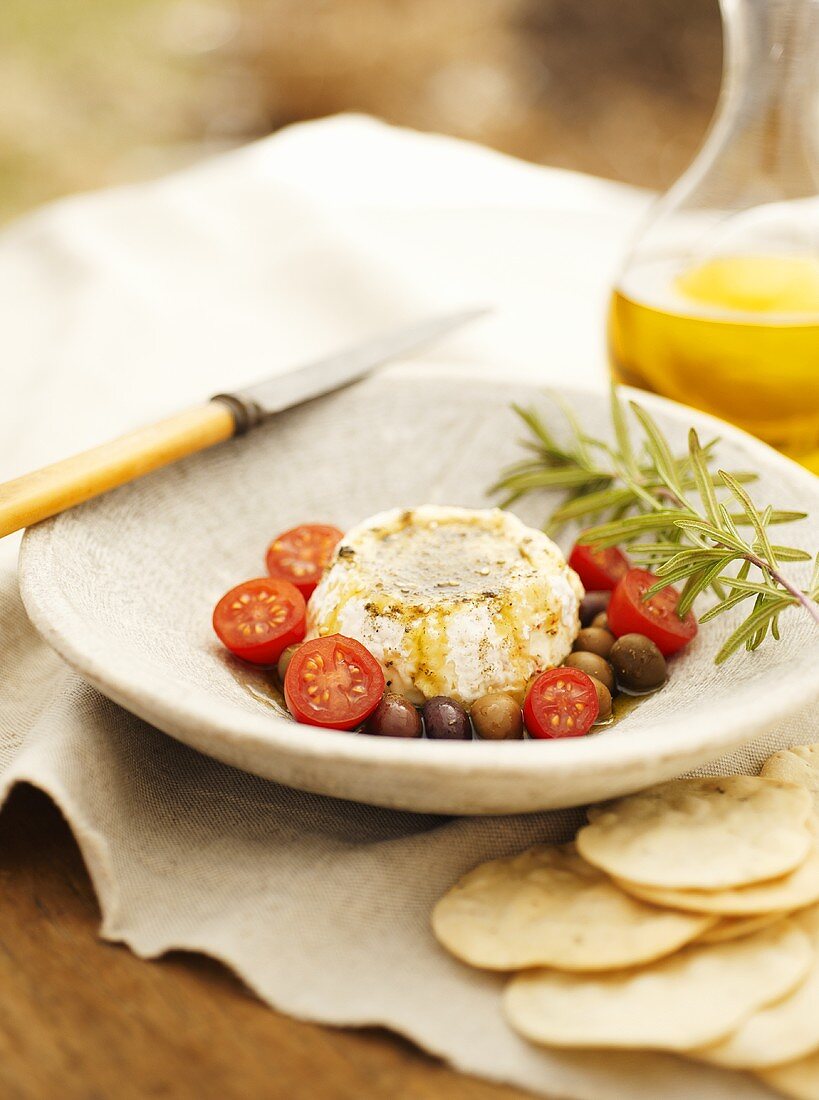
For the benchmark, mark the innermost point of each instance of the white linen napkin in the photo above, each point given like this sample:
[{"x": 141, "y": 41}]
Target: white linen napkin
[{"x": 121, "y": 306}]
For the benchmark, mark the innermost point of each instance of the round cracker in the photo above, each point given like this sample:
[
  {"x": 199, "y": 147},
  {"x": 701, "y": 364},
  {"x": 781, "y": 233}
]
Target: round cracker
[
  {"x": 783, "y": 1031},
  {"x": 548, "y": 907},
  {"x": 782, "y": 895},
  {"x": 684, "y": 1001},
  {"x": 734, "y": 928},
  {"x": 799, "y": 764},
  {"x": 709, "y": 833},
  {"x": 798, "y": 1080}
]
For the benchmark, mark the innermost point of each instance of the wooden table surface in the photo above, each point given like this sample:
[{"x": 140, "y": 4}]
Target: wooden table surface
[{"x": 80, "y": 1018}]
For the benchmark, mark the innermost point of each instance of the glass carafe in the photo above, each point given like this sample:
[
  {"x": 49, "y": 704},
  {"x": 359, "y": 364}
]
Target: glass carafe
[{"x": 717, "y": 303}]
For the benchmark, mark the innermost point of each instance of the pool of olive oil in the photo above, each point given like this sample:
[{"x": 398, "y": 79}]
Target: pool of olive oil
[{"x": 736, "y": 336}]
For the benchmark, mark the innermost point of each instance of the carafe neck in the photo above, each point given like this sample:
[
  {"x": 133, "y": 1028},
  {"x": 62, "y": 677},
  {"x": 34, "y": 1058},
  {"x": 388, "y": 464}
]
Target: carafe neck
[{"x": 770, "y": 88}]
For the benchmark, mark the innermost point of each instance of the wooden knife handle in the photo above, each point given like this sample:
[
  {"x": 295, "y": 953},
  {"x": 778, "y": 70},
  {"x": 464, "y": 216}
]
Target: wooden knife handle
[{"x": 52, "y": 489}]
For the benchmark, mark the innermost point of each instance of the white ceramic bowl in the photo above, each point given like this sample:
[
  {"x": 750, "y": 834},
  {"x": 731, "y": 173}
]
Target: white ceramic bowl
[{"x": 123, "y": 589}]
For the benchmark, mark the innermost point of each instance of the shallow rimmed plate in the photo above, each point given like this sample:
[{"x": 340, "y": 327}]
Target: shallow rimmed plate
[{"x": 123, "y": 589}]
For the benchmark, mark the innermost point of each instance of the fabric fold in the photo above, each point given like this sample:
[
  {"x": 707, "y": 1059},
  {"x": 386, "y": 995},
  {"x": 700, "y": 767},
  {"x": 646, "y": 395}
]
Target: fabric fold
[{"x": 118, "y": 307}]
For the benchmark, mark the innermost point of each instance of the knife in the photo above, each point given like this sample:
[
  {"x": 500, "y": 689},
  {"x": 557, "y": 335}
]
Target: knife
[{"x": 52, "y": 489}]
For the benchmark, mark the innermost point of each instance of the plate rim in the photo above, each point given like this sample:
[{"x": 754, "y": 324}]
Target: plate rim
[{"x": 203, "y": 723}]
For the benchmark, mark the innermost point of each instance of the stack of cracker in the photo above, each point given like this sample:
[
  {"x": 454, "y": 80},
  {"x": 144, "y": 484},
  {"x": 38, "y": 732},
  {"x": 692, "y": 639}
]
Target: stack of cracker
[{"x": 684, "y": 918}]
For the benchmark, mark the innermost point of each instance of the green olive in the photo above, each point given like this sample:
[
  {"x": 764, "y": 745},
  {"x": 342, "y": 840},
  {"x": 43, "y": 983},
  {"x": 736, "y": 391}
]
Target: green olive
[
  {"x": 638, "y": 664},
  {"x": 601, "y": 621},
  {"x": 497, "y": 717},
  {"x": 592, "y": 665},
  {"x": 594, "y": 640},
  {"x": 285, "y": 659}
]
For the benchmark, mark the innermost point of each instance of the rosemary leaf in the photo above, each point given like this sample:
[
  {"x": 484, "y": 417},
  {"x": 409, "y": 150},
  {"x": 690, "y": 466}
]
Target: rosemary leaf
[
  {"x": 786, "y": 553},
  {"x": 746, "y": 631},
  {"x": 592, "y": 503},
  {"x": 776, "y": 516},
  {"x": 609, "y": 534},
  {"x": 752, "y": 514},
  {"x": 618, "y": 418},
  {"x": 720, "y": 536},
  {"x": 659, "y": 451},
  {"x": 700, "y": 583},
  {"x": 536, "y": 426},
  {"x": 741, "y": 584},
  {"x": 705, "y": 485},
  {"x": 725, "y": 605},
  {"x": 666, "y": 508},
  {"x": 577, "y": 431}
]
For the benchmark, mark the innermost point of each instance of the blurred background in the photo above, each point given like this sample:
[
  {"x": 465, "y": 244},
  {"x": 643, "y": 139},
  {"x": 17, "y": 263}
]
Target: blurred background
[{"x": 94, "y": 92}]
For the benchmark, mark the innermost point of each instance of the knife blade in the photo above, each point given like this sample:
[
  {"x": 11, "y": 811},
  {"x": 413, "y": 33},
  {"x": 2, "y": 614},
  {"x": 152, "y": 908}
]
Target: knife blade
[
  {"x": 323, "y": 376},
  {"x": 52, "y": 489}
]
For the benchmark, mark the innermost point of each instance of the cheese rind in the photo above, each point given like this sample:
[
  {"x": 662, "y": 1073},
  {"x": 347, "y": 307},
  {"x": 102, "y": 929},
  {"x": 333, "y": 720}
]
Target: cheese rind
[{"x": 451, "y": 601}]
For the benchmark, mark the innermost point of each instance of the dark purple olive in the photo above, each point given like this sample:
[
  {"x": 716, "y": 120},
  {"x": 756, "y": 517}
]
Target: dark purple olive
[
  {"x": 446, "y": 720},
  {"x": 394, "y": 716},
  {"x": 592, "y": 604}
]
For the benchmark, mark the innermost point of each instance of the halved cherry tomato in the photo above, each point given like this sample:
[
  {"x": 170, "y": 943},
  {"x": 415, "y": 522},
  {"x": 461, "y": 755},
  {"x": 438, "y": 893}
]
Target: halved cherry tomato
[
  {"x": 333, "y": 682},
  {"x": 657, "y": 618},
  {"x": 561, "y": 703},
  {"x": 259, "y": 619},
  {"x": 302, "y": 554},
  {"x": 599, "y": 570}
]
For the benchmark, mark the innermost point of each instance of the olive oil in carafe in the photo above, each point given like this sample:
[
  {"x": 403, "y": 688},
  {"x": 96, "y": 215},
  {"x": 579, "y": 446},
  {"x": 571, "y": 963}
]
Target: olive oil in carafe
[{"x": 737, "y": 336}]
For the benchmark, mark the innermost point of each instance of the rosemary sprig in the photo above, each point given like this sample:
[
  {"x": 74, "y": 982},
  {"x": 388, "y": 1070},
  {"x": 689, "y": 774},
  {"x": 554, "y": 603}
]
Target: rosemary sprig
[{"x": 688, "y": 523}]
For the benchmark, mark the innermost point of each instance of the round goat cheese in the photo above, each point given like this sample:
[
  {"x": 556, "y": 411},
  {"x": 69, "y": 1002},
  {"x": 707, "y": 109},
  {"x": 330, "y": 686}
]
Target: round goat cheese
[{"x": 451, "y": 601}]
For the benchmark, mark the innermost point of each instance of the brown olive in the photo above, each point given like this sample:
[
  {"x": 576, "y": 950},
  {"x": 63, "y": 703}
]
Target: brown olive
[
  {"x": 446, "y": 720},
  {"x": 592, "y": 604},
  {"x": 594, "y": 640},
  {"x": 285, "y": 659},
  {"x": 601, "y": 621},
  {"x": 497, "y": 717},
  {"x": 592, "y": 665},
  {"x": 638, "y": 664},
  {"x": 394, "y": 716},
  {"x": 603, "y": 699}
]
